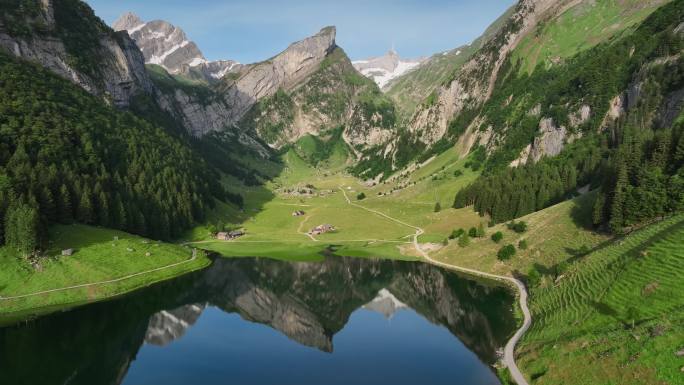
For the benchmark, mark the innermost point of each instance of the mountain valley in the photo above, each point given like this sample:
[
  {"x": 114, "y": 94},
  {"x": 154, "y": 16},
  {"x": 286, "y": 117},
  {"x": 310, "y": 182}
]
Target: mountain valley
[{"x": 549, "y": 150}]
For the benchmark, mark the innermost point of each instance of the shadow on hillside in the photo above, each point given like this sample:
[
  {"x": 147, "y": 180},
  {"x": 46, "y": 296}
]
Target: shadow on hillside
[
  {"x": 244, "y": 172},
  {"x": 581, "y": 213},
  {"x": 604, "y": 309}
]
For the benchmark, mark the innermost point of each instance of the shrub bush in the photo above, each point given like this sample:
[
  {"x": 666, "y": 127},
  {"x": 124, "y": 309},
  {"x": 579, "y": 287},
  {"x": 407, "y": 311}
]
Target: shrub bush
[{"x": 506, "y": 253}]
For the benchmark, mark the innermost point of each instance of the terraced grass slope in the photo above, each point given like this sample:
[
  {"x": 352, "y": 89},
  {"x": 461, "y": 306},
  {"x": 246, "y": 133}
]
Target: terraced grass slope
[
  {"x": 581, "y": 27},
  {"x": 618, "y": 312}
]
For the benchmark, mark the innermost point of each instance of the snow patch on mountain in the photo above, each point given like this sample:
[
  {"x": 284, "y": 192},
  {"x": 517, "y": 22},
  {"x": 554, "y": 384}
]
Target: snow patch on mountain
[
  {"x": 385, "y": 303},
  {"x": 384, "y": 69},
  {"x": 160, "y": 59}
]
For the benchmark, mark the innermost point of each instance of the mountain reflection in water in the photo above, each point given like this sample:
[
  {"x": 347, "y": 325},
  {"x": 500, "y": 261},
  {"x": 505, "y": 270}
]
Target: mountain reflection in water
[{"x": 307, "y": 302}]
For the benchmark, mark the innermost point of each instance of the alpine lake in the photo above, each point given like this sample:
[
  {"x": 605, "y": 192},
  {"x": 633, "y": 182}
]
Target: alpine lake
[{"x": 262, "y": 321}]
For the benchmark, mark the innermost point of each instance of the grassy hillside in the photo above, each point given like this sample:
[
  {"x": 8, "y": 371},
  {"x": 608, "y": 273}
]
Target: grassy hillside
[
  {"x": 555, "y": 235},
  {"x": 327, "y": 152},
  {"x": 98, "y": 256},
  {"x": 579, "y": 28},
  {"x": 618, "y": 311}
]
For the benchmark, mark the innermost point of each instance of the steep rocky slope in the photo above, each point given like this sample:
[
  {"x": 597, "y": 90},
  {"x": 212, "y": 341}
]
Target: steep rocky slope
[
  {"x": 334, "y": 96},
  {"x": 456, "y": 112},
  {"x": 67, "y": 38},
  {"x": 532, "y": 20},
  {"x": 475, "y": 81},
  {"x": 204, "y": 109},
  {"x": 412, "y": 89}
]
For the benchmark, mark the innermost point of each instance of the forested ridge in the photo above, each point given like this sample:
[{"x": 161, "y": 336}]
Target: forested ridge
[
  {"x": 636, "y": 161},
  {"x": 65, "y": 156}
]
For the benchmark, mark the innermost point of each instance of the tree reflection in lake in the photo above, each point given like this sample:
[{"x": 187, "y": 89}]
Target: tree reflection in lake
[{"x": 310, "y": 303}]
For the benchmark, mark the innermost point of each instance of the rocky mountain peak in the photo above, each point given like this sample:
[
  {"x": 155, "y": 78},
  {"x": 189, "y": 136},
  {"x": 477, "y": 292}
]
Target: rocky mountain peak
[
  {"x": 285, "y": 70},
  {"x": 167, "y": 45},
  {"x": 127, "y": 21},
  {"x": 385, "y": 303},
  {"x": 328, "y": 31},
  {"x": 315, "y": 46},
  {"x": 384, "y": 69}
]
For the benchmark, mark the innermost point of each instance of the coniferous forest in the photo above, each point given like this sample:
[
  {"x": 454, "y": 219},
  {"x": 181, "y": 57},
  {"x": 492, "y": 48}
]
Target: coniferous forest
[
  {"x": 636, "y": 161},
  {"x": 65, "y": 157}
]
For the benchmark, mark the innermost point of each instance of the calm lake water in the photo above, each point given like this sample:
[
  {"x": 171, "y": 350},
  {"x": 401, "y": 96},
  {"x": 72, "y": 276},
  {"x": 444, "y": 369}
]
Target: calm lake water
[{"x": 259, "y": 321}]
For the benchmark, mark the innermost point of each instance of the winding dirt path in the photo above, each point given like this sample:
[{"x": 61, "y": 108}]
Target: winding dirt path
[
  {"x": 509, "y": 350},
  {"x": 194, "y": 256}
]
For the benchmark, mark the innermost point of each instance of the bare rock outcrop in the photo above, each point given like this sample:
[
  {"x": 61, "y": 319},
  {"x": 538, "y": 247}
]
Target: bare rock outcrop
[
  {"x": 474, "y": 83},
  {"x": 232, "y": 98},
  {"x": 284, "y": 70},
  {"x": 552, "y": 138},
  {"x": 120, "y": 72}
]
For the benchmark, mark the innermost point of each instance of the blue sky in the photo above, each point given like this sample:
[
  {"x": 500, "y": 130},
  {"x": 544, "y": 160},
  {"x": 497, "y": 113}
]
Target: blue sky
[{"x": 253, "y": 30}]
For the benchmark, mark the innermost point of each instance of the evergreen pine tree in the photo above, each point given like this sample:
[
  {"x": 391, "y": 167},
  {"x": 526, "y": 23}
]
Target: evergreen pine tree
[
  {"x": 65, "y": 212},
  {"x": 438, "y": 207},
  {"x": 481, "y": 232},
  {"x": 103, "y": 216},
  {"x": 464, "y": 240},
  {"x": 84, "y": 213},
  {"x": 47, "y": 204},
  {"x": 618, "y": 200},
  {"x": 21, "y": 227},
  {"x": 598, "y": 216}
]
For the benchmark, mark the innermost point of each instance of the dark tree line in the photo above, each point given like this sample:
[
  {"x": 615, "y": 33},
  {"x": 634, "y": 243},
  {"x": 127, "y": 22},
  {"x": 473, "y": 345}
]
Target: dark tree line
[
  {"x": 515, "y": 192},
  {"x": 644, "y": 179},
  {"x": 65, "y": 157},
  {"x": 636, "y": 162}
]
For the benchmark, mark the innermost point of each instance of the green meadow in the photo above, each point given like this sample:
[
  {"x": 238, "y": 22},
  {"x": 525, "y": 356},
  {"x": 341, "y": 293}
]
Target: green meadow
[
  {"x": 99, "y": 255},
  {"x": 582, "y": 27}
]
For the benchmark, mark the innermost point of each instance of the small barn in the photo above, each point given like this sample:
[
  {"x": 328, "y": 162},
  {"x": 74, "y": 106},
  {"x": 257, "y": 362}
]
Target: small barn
[
  {"x": 229, "y": 236},
  {"x": 322, "y": 229}
]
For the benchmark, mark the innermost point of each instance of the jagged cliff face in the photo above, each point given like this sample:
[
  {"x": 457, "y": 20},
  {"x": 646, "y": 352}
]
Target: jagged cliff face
[
  {"x": 334, "y": 95},
  {"x": 525, "y": 29},
  {"x": 283, "y": 71},
  {"x": 66, "y": 37},
  {"x": 224, "y": 105},
  {"x": 104, "y": 63},
  {"x": 168, "y": 46},
  {"x": 474, "y": 83}
]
